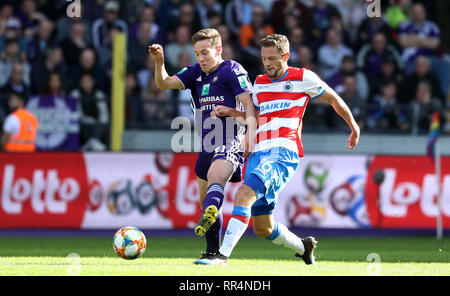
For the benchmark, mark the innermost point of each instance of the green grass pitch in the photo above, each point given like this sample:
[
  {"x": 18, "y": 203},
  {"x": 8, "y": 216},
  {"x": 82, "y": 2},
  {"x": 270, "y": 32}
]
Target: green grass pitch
[{"x": 252, "y": 257}]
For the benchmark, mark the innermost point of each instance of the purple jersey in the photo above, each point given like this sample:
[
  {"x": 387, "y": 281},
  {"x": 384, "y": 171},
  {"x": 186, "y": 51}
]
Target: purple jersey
[
  {"x": 428, "y": 29},
  {"x": 220, "y": 87}
]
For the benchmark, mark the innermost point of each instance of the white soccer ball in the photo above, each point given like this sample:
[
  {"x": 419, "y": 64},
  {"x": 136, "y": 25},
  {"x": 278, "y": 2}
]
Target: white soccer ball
[{"x": 129, "y": 242}]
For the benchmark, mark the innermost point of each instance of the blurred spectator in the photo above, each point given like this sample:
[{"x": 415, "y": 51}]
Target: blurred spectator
[
  {"x": 418, "y": 36},
  {"x": 370, "y": 56},
  {"x": 267, "y": 4},
  {"x": 6, "y": 12},
  {"x": 228, "y": 52},
  {"x": 42, "y": 40},
  {"x": 52, "y": 9},
  {"x": 10, "y": 56},
  {"x": 94, "y": 114},
  {"x": 156, "y": 105},
  {"x": 168, "y": 13},
  {"x": 348, "y": 7},
  {"x": 322, "y": 13},
  {"x": 104, "y": 54},
  {"x": 206, "y": 6},
  {"x": 348, "y": 67},
  {"x": 331, "y": 54},
  {"x": 13, "y": 30},
  {"x": 316, "y": 118},
  {"x": 145, "y": 74},
  {"x": 289, "y": 23},
  {"x": 183, "y": 97},
  {"x": 227, "y": 37},
  {"x": 16, "y": 84},
  {"x": 29, "y": 17},
  {"x": 73, "y": 45},
  {"x": 215, "y": 20},
  {"x": 422, "y": 108},
  {"x": 389, "y": 71},
  {"x": 397, "y": 13},
  {"x": 186, "y": 16},
  {"x": 138, "y": 48},
  {"x": 247, "y": 32},
  {"x": 133, "y": 110},
  {"x": 87, "y": 63},
  {"x": 20, "y": 127},
  {"x": 41, "y": 69},
  {"x": 181, "y": 43},
  {"x": 102, "y": 27},
  {"x": 384, "y": 113},
  {"x": 357, "y": 15},
  {"x": 368, "y": 28},
  {"x": 280, "y": 8},
  {"x": 421, "y": 74},
  {"x": 305, "y": 58},
  {"x": 64, "y": 27},
  {"x": 130, "y": 11},
  {"x": 54, "y": 86},
  {"x": 337, "y": 24},
  {"x": 238, "y": 13},
  {"x": 296, "y": 39},
  {"x": 250, "y": 55},
  {"x": 92, "y": 10},
  {"x": 146, "y": 15},
  {"x": 354, "y": 101}
]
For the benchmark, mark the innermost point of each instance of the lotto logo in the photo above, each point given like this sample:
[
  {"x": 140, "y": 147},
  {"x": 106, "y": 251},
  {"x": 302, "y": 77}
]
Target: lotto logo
[
  {"x": 43, "y": 190},
  {"x": 57, "y": 193},
  {"x": 407, "y": 196}
]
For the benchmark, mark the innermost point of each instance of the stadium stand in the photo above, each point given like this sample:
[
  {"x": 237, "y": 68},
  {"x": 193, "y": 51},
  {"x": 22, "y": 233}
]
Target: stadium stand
[{"x": 392, "y": 71}]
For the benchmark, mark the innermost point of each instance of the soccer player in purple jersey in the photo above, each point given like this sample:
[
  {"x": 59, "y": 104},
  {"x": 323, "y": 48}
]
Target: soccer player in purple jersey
[{"x": 213, "y": 82}]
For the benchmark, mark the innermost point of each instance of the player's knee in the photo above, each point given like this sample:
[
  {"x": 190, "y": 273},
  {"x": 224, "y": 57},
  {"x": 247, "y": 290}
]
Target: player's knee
[
  {"x": 244, "y": 196},
  {"x": 262, "y": 231}
]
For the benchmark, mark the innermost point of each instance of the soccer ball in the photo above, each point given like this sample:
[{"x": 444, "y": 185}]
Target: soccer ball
[{"x": 129, "y": 242}]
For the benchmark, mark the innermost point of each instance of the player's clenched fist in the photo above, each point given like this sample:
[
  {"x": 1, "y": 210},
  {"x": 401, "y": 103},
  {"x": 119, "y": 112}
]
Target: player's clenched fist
[
  {"x": 220, "y": 111},
  {"x": 157, "y": 53}
]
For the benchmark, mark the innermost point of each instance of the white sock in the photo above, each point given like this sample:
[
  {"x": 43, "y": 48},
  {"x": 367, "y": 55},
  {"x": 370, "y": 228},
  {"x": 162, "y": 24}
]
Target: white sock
[
  {"x": 286, "y": 239},
  {"x": 235, "y": 230}
]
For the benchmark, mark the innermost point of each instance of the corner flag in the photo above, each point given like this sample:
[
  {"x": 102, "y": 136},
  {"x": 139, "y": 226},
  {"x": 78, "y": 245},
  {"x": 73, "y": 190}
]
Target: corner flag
[{"x": 433, "y": 135}]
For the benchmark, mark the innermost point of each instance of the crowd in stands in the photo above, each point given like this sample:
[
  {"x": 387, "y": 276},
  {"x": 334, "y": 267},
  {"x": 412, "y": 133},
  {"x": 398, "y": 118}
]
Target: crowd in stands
[{"x": 393, "y": 71}]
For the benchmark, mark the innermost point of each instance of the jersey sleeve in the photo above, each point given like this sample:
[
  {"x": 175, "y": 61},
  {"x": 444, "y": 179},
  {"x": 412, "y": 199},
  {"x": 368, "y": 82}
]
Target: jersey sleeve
[
  {"x": 187, "y": 76},
  {"x": 238, "y": 81},
  {"x": 11, "y": 125},
  {"x": 314, "y": 86}
]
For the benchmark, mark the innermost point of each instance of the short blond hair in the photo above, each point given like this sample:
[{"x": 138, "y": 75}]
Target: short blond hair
[
  {"x": 212, "y": 34},
  {"x": 279, "y": 41}
]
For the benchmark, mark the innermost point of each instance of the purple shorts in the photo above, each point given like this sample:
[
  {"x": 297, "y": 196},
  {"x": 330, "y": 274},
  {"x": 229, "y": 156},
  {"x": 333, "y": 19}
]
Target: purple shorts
[{"x": 233, "y": 155}]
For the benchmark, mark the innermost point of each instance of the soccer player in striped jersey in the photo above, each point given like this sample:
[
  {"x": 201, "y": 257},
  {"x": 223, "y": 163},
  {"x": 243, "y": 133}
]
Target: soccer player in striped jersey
[
  {"x": 280, "y": 96},
  {"x": 213, "y": 82}
]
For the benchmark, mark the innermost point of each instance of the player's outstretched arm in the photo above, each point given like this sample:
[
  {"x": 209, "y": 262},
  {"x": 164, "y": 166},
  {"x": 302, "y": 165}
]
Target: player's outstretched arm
[
  {"x": 163, "y": 80},
  {"x": 338, "y": 104}
]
